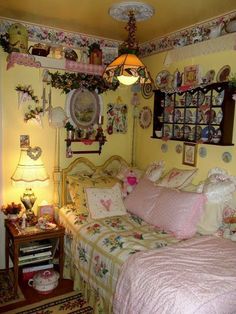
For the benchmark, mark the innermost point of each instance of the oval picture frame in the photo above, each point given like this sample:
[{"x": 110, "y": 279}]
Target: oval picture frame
[{"x": 83, "y": 107}]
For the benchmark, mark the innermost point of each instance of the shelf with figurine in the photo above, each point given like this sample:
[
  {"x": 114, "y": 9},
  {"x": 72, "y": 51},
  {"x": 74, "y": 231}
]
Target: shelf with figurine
[
  {"x": 87, "y": 137},
  {"x": 38, "y": 61}
]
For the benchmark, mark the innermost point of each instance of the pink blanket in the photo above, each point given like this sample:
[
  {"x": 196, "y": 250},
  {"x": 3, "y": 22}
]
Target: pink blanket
[{"x": 195, "y": 276}]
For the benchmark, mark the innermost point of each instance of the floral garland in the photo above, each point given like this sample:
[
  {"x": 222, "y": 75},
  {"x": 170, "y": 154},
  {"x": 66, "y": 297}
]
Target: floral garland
[
  {"x": 28, "y": 91},
  {"x": 33, "y": 113},
  {"x": 69, "y": 81}
]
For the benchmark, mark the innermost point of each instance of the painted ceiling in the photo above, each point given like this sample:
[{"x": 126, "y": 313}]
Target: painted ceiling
[{"x": 91, "y": 16}]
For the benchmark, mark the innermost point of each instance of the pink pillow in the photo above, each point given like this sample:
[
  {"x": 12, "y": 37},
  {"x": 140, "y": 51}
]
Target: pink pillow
[
  {"x": 177, "y": 212},
  {"x": 142, "y": 200}
]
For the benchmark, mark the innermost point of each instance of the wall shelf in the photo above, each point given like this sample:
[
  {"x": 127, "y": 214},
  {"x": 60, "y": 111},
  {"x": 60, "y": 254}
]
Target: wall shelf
[
  {"x": 52, "y": 63},
  {"x": 70, "y": 152}
]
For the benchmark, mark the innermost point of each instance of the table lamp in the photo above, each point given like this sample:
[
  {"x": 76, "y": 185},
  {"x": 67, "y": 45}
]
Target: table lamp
[{"x": 30, "y": 172}]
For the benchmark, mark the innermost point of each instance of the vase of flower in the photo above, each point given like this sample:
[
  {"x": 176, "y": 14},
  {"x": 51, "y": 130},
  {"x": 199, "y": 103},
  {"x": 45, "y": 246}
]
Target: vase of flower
[{"x": 11, "y": 211}]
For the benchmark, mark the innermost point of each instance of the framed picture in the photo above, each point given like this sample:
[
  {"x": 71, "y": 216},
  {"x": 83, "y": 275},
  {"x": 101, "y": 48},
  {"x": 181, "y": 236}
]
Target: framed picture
[
  {"x": 189, "y": 154},
  {"x": 46, "y": 211},
  {"x": 191, "y": 75},
  {"x": 24, "y": 141},
  {"x": 83, "y": 107}
]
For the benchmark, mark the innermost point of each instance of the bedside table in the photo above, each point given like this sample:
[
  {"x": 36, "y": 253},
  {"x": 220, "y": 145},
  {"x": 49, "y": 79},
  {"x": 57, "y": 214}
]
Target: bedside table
[{"x": 15, "y": 237}]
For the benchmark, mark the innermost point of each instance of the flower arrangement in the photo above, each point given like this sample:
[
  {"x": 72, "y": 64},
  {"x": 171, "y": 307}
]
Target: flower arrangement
[
  {"x": 27, "y": 92},
  {"x": 33, "y": 113},
  {"x": 11, "y": 209}
]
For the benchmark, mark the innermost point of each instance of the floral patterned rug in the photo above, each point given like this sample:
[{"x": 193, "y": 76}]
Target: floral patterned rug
[
  {"x": 72, "y": 302},
  {"x": 6, "y": 290}
]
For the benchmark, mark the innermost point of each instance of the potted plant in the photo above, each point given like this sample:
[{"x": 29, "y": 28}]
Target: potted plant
[
  {"x": 70, "y": 130},
  {"x": 11, "y": 210}
]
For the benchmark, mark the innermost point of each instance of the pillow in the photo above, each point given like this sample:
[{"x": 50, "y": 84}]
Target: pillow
[
  {"x": 177, "y": 178},
  {"x": 78, "y": 184},
  {"x": 155, "y": 170},
  {"x": 142, "y": 200},
  {"x": 177, "y": 212},
  {"x": 213, "y": 216},
  {"x": 105, "y": 202}
]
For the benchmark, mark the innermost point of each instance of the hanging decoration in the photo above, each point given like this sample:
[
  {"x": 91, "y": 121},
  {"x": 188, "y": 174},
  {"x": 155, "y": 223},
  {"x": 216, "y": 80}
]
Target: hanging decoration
[
  {"x": 69, "y": 81},
  {"x": 25, "y": 93},
  {"x": 34, "y": 115},
  {"x": 117, "y": 117}
]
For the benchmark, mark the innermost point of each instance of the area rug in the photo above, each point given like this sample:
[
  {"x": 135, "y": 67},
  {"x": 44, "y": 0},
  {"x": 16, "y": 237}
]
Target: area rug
[
  {"x": 69, "y": 303},
  {"x": 6, "y": 290}
]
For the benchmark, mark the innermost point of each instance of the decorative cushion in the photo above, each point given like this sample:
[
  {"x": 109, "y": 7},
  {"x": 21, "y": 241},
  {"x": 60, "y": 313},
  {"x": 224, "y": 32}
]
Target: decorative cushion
[
  {"x": 78, "y": 184},
  {"x": 177, "y": 178},
  {"x": 142, "y": 200},
  {"x": 177, "y": 212},
  {"x": 105, "y": 202},
  {"x": 155, "y": 170}
]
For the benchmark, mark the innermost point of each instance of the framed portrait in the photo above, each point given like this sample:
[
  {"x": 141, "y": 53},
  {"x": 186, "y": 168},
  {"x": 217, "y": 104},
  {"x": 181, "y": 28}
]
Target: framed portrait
[
  {"x": 24, "y": 141},
  {"x": 191, "y": 75},
  {"x": 46, "y": 211},
  {"x": 83, "y": 107},
  {"x": 190, "y": 154}
]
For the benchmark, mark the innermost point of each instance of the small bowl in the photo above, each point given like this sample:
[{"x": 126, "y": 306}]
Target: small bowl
[{"x": 158, "y": 133}]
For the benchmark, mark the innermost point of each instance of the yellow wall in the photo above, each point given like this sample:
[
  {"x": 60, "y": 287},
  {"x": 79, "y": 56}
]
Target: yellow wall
[
  {"x": 14, "y": 126},
  {"x": 148, "y": 149}
]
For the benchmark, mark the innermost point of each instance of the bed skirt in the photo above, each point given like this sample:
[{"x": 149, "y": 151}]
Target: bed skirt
[{"x": 99, "y": 305}]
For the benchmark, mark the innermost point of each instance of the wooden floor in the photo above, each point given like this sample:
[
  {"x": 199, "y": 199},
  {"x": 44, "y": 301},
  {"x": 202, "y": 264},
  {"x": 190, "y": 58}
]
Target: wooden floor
[{"x": 31, "y": 295}]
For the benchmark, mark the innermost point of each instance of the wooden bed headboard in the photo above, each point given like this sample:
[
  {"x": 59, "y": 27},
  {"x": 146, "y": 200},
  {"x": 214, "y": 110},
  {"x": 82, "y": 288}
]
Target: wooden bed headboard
[{"x": 82, "y": 165}]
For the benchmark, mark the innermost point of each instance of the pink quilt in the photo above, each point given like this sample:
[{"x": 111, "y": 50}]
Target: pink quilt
[{"x": 195, "y": 276}]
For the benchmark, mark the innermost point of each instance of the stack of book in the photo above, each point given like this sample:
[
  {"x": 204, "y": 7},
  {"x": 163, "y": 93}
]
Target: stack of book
[{"x": 37, "y": 254}]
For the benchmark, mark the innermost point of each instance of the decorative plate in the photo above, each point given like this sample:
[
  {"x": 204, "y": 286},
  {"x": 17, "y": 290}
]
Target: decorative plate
[
  {"x": 186, "y": 130},
  {"x": 226, "y": 157},
  {"x": 147, "y": 90},
  {"x": 209, "y": 116},
  {"x": 219, "y": 98},
  {"x": 167, "y": 131},
  {"x": 145, "y": 117},
  {"x": 177, "y": 116},
  {"x": 177, "y": 132},
  {"x": 188, "y": 116},
  {"x": 197, "y": 131},
  {"x": 219, "y": 117},
  {"x": 162, "y": 79},
  {"x": 198, "y": 99},
  {"x": 178, "y": 149},
  {"x": 207, "y": 133},
  {"x": 202, "y": 152},
  {"x": 168, "y": 100},
  {"x": 209, "y": 77},
  {"x": 189, "y": 98},
  {"x": 223, "y": 74},
  {"x": 164, "y": 148}
]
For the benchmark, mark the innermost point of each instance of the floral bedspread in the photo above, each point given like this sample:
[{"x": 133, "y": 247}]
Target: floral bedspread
[{"x": 100, "y": 247}]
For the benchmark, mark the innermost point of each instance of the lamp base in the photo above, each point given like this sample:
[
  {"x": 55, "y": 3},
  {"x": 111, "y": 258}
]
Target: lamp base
[{"x": 28, "y": 199}]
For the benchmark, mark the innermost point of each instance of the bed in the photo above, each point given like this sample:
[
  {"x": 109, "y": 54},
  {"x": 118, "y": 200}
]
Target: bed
[{"x": 104, "y": 255}]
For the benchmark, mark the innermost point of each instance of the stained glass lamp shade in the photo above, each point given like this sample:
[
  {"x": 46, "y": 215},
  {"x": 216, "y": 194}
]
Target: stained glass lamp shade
[{"x": 127, "y": 68}]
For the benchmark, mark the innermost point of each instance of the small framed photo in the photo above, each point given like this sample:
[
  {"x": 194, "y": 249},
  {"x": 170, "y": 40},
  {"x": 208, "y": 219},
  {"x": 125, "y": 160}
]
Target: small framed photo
[
  {"x": 24, "y": 141},
  {"x": 190, "y": 154},
  {"x": 46, "y": 211},
  {"x": 191, "y": 75}
]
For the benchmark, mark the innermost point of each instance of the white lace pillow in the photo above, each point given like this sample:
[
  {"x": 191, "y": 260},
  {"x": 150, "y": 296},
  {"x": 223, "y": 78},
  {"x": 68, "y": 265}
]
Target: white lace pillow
[
  {"x": 155, "y": 170},
  {"x": 105, "y": 202},
  {"x": 177, "y": 178}
]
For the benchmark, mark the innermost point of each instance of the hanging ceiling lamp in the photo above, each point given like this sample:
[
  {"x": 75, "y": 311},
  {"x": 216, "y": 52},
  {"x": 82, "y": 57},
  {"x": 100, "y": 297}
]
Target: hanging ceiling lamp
[{"x": 127, "y": 68}]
